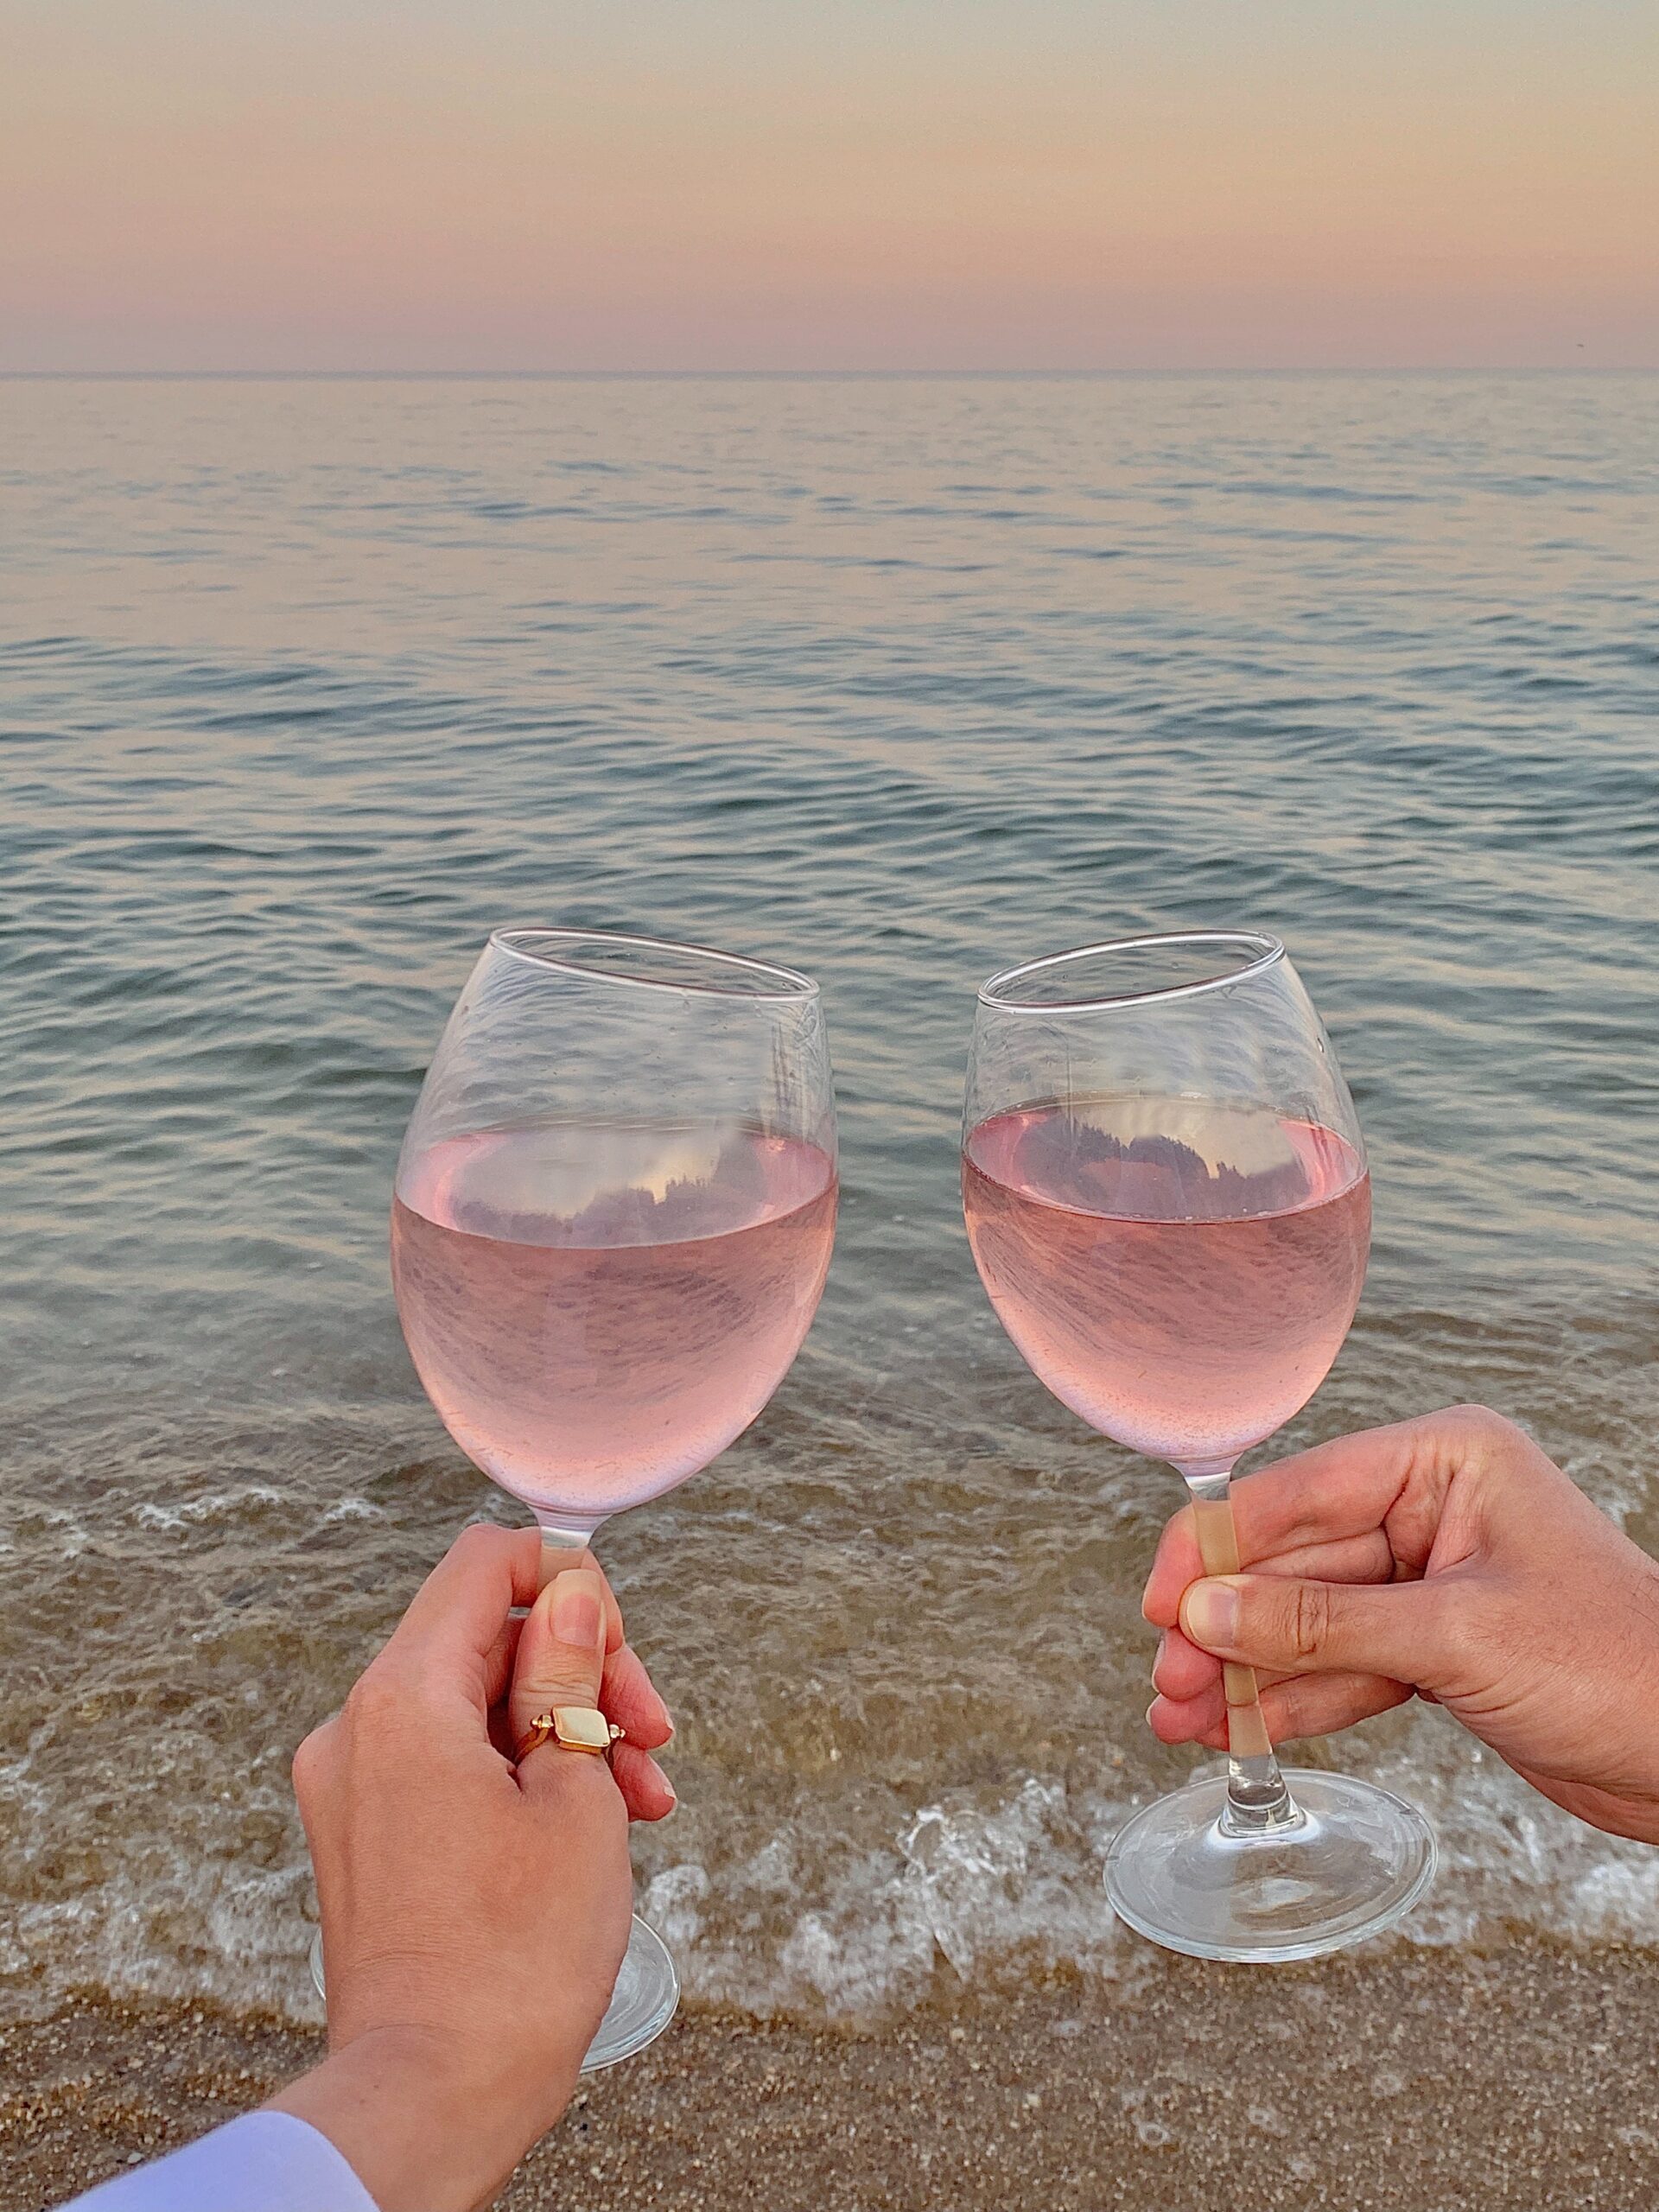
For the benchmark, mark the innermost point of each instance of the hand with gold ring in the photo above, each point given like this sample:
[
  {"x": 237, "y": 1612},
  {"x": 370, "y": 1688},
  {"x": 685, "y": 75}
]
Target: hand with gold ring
[
  {"x": 551, "y": 1653},
  {"x": 475, "y": 1910}
]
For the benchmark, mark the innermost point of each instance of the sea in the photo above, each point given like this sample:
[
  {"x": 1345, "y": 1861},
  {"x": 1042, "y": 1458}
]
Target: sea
[{"x": 307, "y": 683}]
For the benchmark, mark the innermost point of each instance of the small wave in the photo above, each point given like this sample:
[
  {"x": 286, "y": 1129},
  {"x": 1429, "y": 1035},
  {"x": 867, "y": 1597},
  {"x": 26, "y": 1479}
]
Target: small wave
[
  {"x": 194, "y": 1512},
  {"x": 1002, "y": 1894}
]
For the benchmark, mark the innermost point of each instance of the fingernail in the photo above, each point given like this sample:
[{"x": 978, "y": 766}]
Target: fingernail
[
  {"x": 1209, "y": 1615},
  {"x": 578, "y": 1609}
]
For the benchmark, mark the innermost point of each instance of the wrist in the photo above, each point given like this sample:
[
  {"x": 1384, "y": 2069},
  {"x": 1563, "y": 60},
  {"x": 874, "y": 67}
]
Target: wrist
[{"x": 422, "y": 2126}]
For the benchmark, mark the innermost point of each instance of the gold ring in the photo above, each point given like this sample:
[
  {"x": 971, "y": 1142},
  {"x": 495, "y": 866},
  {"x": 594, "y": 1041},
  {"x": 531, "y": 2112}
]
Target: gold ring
[{"x": 573, "y": 1728}]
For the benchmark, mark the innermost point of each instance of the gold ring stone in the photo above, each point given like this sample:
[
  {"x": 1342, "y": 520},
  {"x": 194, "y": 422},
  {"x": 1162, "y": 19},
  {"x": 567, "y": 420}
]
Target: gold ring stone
[{"x": 573, "y": 1728}]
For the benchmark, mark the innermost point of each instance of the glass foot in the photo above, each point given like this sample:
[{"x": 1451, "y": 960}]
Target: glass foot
[
  {"x": 1355, "y": 1862},
  {"x": 643, "y": 2003}
]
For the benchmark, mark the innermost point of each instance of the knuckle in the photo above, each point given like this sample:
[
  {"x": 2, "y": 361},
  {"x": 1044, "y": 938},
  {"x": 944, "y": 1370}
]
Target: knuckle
[
  {"x": 552, "y": 1684},
  {"x": 1458, "y": 1440},
  {"x": 311, "y": 1762},
  {"x": 1478, "y": 1426},
  {"x": 379, "y": 1701},
  {"x": 1309, "y": 1624},
  {"x": 370, "y": 1694},
  {"x": 479, "y": 1541}
]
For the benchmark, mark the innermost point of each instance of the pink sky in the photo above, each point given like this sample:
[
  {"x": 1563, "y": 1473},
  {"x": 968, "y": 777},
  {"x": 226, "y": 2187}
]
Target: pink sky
[{"x": 912, "y": 183}]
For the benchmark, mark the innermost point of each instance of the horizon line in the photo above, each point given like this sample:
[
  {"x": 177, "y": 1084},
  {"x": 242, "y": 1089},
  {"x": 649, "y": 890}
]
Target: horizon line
[{"x": 663, "y": 375}]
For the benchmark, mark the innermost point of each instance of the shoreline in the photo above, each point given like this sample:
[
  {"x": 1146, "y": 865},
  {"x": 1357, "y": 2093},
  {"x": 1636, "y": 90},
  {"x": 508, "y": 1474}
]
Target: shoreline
[{"x": 1406, "y": 2080}]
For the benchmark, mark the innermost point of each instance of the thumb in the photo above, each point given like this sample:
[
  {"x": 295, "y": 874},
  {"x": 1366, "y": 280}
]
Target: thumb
[
  {"x": 561, "y": 1655},
  {"x": 1268, "y": 1620}
]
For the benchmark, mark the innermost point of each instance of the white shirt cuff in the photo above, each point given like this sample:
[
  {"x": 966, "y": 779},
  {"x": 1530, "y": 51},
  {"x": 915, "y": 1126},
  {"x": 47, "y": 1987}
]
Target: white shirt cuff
[{"x": 264, "y": 2162}]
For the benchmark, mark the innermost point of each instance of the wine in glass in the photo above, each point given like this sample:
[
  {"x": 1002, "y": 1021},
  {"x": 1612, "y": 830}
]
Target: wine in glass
[
  {"x": 612, "y": 1223},
  {"x": 1167, "y": 1194}
]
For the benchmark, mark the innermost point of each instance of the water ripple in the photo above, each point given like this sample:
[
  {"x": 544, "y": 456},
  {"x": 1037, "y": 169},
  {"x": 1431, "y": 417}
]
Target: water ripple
[{"x": 305, "y": 686}]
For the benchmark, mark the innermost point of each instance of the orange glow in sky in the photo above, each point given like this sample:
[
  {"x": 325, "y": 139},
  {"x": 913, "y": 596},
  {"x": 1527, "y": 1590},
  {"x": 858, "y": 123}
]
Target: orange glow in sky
[{"x": 526, "y": 184}]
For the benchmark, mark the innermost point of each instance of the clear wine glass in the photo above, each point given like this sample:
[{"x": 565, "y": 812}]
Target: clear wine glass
[
  {"x": 612, "y": 1223},
  {"x": 1168, "y": 1199}
]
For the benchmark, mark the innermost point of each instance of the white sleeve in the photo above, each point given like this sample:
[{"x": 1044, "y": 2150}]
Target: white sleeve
[{"x": 264, "y": 2162}]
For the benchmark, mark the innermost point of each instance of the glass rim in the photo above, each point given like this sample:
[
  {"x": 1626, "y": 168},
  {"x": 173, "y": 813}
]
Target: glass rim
[
  {"x": 1265, "y": 952},
  {"x": 796, "y": 987}
]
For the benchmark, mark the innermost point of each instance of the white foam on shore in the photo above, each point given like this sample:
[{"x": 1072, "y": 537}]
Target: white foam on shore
[
  {"x": 993, "y": 1892},
  {"x": 1002, "y": 1892}
]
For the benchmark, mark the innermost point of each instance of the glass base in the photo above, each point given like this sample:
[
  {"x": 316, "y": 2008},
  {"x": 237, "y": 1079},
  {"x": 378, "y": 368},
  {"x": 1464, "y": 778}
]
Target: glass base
[
  {"x": 645, "y": 2000},
  {"x": 1354, "y": 1861}
]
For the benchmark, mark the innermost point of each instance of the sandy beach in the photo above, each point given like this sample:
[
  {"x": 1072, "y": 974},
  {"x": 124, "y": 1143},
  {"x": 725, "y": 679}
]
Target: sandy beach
[{"x": 1414, "y": 2081}]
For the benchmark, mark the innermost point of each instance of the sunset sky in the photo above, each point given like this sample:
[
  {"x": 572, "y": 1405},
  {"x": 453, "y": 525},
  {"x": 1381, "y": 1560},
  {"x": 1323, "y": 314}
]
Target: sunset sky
[{"x": 523, "y": 184}]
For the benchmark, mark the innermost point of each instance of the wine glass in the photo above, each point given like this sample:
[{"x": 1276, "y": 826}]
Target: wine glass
[
  {"x": 612, "y": 1223},
  {"x": 1168, "y": 1199}
]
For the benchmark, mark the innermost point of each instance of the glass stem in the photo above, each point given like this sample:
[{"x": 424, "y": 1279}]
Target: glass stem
[
  {"x": 569, "y": 1534},
  {"x": 1258, "y": 1798},
  {"x": 559, "y": 1541}
]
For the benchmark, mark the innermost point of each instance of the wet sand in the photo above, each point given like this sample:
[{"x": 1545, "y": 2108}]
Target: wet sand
[{"x": 1416, "y": 2080}]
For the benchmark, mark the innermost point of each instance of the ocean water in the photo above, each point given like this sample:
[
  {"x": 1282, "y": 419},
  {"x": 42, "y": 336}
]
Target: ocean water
[{"x": 304, "y": 685}]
